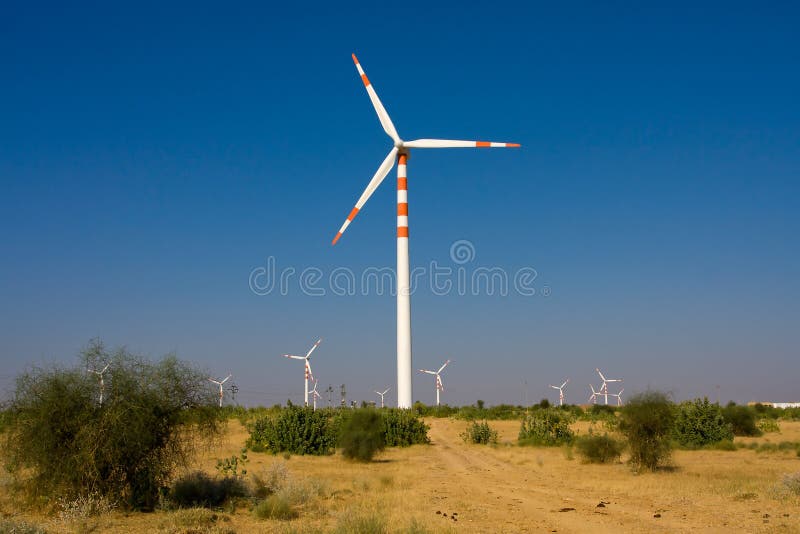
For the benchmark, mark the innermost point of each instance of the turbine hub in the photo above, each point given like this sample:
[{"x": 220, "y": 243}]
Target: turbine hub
[{"x": 398, "y": 144}]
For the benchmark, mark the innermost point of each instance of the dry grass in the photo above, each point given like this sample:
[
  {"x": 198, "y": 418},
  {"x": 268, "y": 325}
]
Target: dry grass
[{"x": 493, "y": 489}]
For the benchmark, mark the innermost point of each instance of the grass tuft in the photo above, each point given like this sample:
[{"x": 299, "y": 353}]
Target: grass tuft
[{"x": 276, "y": 507}]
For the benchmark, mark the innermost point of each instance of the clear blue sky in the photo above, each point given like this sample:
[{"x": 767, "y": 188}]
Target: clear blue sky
[{"x": 152, "y": 157}]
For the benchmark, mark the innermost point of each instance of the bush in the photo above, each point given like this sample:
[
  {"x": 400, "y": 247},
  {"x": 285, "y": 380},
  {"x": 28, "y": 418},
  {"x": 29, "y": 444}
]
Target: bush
[
  {"x": 297, "y": 430},
  {"x": 597, "y": 449},
  {"x": 62, "y": 441},
  {"x": 548, "y": 426},
  {"x": 647, "y": 422},
  {"x": 362, "y": 435},
  {"x": 275, "y": 507},
  {"x": 403, "y": 428},
  {"x": 200, "y": 490},
  {"x": 768, "y": 425},
  {"x": 742, "y": 420},
  {"x": 699, "y": 423},
  {"x": 479, "y": 433}
]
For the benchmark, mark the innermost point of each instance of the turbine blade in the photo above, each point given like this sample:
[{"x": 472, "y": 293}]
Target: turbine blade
[
  {"x": 386, "y": 122},
  {"x": 426, "y": 371},
  {"x": 452, "y": 143},
  {"x": 373, "y": 184},
  {"x": 443, "y": 366},
  {"x": 314, "y": 347},
  {"x": 294, "y": 357}
]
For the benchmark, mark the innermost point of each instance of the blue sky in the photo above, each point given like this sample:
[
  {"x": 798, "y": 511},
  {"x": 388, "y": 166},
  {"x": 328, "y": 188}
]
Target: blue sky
[{"x": 152, "y": 157}]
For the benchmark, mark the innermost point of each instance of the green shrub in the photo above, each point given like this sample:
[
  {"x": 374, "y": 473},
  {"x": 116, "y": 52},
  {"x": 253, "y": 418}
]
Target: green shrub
[
  {"x": 699, "y": 423},
  {"x": 479, "y": 433},
  {"x": 275, "y": 507},
  {"x": 362, "y": 435},
  {"x": 403, "y": 428},
  {"x": 546, "y": 426},
  {"x": 296, "y": 430},
  {"x": 599, "y": 449},
  {"x": 647, "y": 421},
  {"x": 742, "y": 419},
  {"x": 200, "y": 490},
  {"x": 61, "y": 441},
  {"x": 768, "y": 425}
]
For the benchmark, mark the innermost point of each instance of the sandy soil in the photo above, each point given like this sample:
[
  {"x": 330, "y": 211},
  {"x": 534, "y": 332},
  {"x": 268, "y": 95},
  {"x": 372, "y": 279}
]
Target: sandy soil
[{"x": 507, "y": 488}]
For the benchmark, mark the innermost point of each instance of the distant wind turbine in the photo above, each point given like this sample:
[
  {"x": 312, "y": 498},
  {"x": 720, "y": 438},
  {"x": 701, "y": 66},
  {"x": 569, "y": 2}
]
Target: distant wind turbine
[
  {"x": 102, "y": 382},
  {"x": 560, "y": 391},
  {"x": 221, "y": 390},
  {"x": 382, "y": 394},
  {"x": 437, "y": 374},
  {"x": 308, "y": 374}
]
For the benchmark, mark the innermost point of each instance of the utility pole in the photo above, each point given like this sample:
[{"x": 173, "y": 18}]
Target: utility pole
[
  {"x": 344, "y": 396},
  {"x": 329, "y": 391}
]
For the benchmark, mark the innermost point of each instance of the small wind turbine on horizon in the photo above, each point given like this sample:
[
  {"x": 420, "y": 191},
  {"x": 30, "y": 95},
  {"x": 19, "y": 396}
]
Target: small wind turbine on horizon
[
  {"x": 606, "y": 381},
  {"x": 618, "y": 396},
  {"x": 382, "y": 394},
  {"x": 102, "y": 382},
  {"x": 560, "y": 391},
  {"x": 400, "y": 153},
  {"x": 308, "y": 374},
  {"x": 315, "y": 394},
  {"x": 593, "y": 396},
  {"x": 437, "y": 374},
  {"x": 221, "y": 390}
]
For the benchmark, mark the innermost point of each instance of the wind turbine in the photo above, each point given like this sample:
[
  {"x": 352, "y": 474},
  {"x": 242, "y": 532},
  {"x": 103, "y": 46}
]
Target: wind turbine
[
  {"x": 593, "y": 396},
  {"x": 382, "y": 394},
  {"x": 618, "y": 396},
  {"x": 560, "y": 391},
  {"x": 604, "y": 387},
  {"x": 399, "y": 153},
  {"x": 315, "y": 395},
  {"x": 221, "y": 391},
  {"x": 306, "y": 359},
  {"x": 437, "y": 374},
  {"x": 102, "y": 382}
]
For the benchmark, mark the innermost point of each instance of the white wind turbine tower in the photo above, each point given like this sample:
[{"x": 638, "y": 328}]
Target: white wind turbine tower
[
  {"x": 221, "y": 390},
  {"x": 382, "y": 394},
  {"x": 604, "y": 387},
  {"x": 437, "y": 374},
  {"x": 618, "y": 396},
  {"x": 102, "y": 382},
  {"x": 560, "y": 391},
  {"x": 308, "y": 373},
  {"x": 315, "y": 394},
  {"x": 400, "y": 153},
  {"x": 593, "y": 396}
]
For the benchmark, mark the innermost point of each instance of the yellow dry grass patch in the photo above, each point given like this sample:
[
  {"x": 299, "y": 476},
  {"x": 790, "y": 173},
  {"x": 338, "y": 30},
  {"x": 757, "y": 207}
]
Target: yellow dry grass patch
[{"x": 505, "y": 488}]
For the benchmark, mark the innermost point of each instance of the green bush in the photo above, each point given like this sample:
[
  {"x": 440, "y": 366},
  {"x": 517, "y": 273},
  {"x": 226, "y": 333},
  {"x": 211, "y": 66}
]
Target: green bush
[
  {"x": 599, "y": 449},
  {"x": 546, "y": 426},
  {"x": 200, "y": 490},
  {"x": 742, "y": 420},
  {"x": 403, "y": 428},
  {"x": 275, "y": 507},
  {"x": 362, "y": 435},
  {"x": 479, "y": 433},
  {"x": 768, "y": 425},
  {"x": 699, "y": 423},
  {"x": 61, "y": 441},
  {"x": 296, "y": 430},
  {"x": 647, "y": 421}
]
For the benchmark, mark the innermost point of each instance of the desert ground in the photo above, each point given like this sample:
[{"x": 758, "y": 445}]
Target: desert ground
[{"x": 450, "y": 486}]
